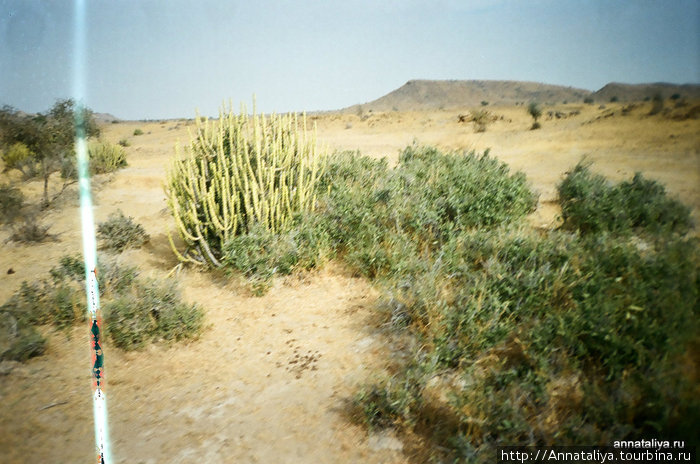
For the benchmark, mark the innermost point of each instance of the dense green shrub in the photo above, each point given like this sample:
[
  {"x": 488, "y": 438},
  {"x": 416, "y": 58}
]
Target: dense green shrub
[
  {"x": 591, "y": 204},
  {"x": 380, "y": 220},
  {"x": 138, "y": 131},
  {"x": 532, "y": 340},
  {"x": 260, "y": 254},
  {"x": 376, "y": 216},
  {"x": 119, "y": 232},
  {"x": 11, "y": 203},
  {"x": 564, "y": 337}
]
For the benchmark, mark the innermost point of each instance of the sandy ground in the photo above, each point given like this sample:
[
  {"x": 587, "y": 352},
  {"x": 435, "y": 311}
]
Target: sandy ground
[{"x": 268, "y": 380}]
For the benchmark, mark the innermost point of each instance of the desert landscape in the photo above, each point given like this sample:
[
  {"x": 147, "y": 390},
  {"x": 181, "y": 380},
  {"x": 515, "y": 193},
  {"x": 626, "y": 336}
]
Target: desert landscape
[{"x": 271, "y": 378}]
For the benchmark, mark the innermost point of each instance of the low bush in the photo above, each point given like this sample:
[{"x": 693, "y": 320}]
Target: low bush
[
  {"x": 18, "y": 340},
  {"x": 260, "y": 254},
  {"x": 104, "y": 158},
  {"x": 138, "y": 132},
  {"x": 150, "y": 311},
  {"x": 136, "y": 311},
  {"x": 532, "y": 340},
  {"x": 30, "y": 231},
  {"x": 379, "y": 215},
  {"x": 11, "y": 203},
  {"x": 119, "y": 232},
  {"x": 56, "y": 302},
  {"x": 591, "y": 204}
]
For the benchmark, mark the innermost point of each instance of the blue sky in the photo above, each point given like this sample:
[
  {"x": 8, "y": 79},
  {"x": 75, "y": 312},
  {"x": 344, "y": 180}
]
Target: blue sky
[{"x": 162, "y": 59}]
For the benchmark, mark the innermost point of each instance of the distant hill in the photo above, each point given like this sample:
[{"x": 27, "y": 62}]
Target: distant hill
[
  {"x": 430, "y": 94},
  {"x": 416, "y": 95},
  {"x": 637, "y": 92},
  {"x": 105, "y": 117}
]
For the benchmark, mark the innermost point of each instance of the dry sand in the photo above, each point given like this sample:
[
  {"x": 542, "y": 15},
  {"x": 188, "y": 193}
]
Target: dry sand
[{"x": 268, "y": 380}]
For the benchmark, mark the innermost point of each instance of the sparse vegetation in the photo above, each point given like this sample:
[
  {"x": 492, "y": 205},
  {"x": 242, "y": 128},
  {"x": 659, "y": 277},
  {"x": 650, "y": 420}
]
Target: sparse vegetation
[
  {"x": 588, "y": 100},
  {"x": 119, "y": 232},
  {"x": 31, "y": 231},
  {"x": 124, "y": 143},
  {"x": 136, "y": 310},
  {"x": 614, "y": 99}
]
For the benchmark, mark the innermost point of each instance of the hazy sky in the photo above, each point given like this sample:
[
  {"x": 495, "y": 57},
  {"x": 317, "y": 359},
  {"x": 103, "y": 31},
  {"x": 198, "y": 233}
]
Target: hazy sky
[{"x": 163, "y": 59}]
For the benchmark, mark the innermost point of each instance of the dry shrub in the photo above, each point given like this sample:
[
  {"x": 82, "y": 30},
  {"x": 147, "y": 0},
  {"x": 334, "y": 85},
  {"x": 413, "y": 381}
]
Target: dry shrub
[
  {"x": 30, "y": 231},
  {"x": 119, "y": 232}
]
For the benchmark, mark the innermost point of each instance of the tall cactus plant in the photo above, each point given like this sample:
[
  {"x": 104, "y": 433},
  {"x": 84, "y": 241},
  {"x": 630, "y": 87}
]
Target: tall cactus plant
[{"x": 238, "y": 171}]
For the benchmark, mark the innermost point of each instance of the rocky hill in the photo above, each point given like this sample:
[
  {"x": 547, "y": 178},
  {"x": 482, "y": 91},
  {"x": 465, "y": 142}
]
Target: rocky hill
[
  {"x": 417, "y": 95},
  {"x": 431, "y": 94},
  {"x": 638, "y": 92}
]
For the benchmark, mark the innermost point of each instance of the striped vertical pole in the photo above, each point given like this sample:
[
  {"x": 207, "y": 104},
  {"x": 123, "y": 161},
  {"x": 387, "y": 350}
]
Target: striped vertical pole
[{"x": 88, "y": 233}]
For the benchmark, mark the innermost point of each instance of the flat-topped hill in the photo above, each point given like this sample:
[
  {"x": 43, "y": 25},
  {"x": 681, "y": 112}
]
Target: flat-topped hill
[{"x": 419, "y": 95}]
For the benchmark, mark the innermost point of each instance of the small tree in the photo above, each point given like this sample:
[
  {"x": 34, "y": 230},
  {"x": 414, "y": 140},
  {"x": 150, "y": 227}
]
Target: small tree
[
  {"x": 534, "y": 110},
  {"x": 49, "y": 137}
]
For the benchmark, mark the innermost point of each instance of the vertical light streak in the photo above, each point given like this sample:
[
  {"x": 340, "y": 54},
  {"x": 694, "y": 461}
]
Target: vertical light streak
[{"x": 88, "y": 232}]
